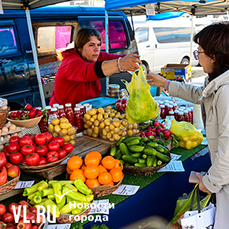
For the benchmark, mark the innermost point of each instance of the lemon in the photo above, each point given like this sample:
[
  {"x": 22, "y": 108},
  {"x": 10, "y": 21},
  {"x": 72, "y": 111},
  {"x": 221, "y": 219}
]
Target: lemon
[
  {"x": 63, "y": 120},
  {"x": 64, "y": 131},
  {"x": 194, "y": 144},
  {"x": 188, "y": 145},
  {"x": 63, "y": 125},
  {"x": 182, "y": 144},
  {"x": 57, "y": 128},
  {"x": 71, "y": 131},
  {"x": 193, "y": 137},
  {"x": 72, "y": 136},
  {"x": 185, "y": 138},
  {"x": 66, "y": 138},
  {"x": 51, "y": 126},
  {"x": 55, "y": 121}
]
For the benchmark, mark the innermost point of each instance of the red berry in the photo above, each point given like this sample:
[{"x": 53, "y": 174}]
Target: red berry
[
  {"x": 31, "y": 113},
  {"x": 28, "y": 107}
]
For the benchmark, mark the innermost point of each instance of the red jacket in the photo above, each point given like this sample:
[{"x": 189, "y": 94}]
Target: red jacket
[{"x": 76, "y": 80}]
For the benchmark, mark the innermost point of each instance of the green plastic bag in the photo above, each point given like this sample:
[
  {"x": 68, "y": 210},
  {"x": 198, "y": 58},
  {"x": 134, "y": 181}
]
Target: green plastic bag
[{"x": 141, "y": 105}]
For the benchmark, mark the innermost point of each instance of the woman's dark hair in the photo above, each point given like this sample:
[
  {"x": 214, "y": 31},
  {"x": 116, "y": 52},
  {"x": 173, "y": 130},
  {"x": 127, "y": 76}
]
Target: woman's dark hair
[
  {"x": 83, "y": 36},
  {"x": 214, "y": 39}
]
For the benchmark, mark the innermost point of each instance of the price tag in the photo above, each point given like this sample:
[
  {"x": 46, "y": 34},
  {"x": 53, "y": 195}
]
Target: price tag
[
  {"x": 59, "y": 226},
  {"x": 173, "y": 166},
  {"x": 24, "y": 184},
  {"x": 100, "y": 207},
  {"x": 126, "y": 190},
  {"x": 175, "y": 157}
]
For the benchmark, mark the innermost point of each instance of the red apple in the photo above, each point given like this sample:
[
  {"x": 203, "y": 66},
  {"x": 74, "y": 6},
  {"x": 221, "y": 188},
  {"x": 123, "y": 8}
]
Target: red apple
[{"x": 13, "y": 171}]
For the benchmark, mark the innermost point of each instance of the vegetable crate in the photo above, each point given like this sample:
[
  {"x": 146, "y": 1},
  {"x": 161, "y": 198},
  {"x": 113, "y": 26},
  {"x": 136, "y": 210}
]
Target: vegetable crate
[{"x": 176, "y": 72}]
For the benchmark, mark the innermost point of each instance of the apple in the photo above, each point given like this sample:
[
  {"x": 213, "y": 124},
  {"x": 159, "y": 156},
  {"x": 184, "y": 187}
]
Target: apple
[{"x": 13, "y": 171}]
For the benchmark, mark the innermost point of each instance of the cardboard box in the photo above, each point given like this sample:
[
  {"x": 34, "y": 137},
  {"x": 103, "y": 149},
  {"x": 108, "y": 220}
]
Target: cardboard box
[{"x": 176, "y": 71}]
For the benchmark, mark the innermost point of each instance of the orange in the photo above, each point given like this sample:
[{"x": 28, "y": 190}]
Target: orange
[
  {"x": 74, "y": 162},
  {"x": 91, "y": 171},
  {"x": 101, "y": 169},
  {"x": 97, "y": 154},
  {"x": 118, "y": 164},
  {"x": 69, "y": 171},
  {"x": 108, "y": 162},
  {"x": 83, "y": 167},
  {"x": 112, "y": 183},
  {"x": 91, "y": 159},
  {"x": 104, "y": 178},
  {"x": 77, "y": 173},
  {"x": 116, "y": 175},
  {"x": 92, "y": 183}
]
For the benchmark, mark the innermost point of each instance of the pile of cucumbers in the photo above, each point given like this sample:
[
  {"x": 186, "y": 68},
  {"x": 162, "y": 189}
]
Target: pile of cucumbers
[{"x": 140, "y": 151}]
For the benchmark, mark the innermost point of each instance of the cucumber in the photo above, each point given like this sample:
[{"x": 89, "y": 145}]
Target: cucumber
[
  {"x": 150, "y": 160},
  {"x": 119, "y": 141},
  {"x": 136, "y": 154},
  {"x": 161, "y": 142},
  {"x": 159, "y": 149},
  {"x": 151, "y": 151},
  {"x": 113, "y": 151},
  {"x": 132, "y": 142},
  {"x": 166, "y": 150},
  {"x": 124, "y": 149},
  {"x": 131, "y": 138},
  {"x": 118, "y": 154},
  {"x": 136, "y": 148},
  {"x": 141, "y": 161},
  {"x": 140, "y": 165},
  {"x": 152, "y": 144},
  {"x": 155, "y": 162},
  {"x": 129, "y": 159},
  {"x": 144, "y": 139},
  {"x": 152, "y": 138}
]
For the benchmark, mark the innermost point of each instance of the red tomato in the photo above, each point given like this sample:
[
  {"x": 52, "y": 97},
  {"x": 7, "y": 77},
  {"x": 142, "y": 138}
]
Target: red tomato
[
  {"x": 10, "y": 226},
  {"x": 7, "y": 154},
  {"x": 8, "y": 165},
  {"x": 42, "y": 161},
  {"x": 40, "y": 139},
  {"x": 23, "y": 202},
  {"x": 60, "y": 140},
  {"x": 48, "y": 136},
  {"x": 52, "y": 156},
  {"x": 10, "y": 207},
  {"x": 118, "y": 105},
  {"x": 23, "y": 162},
  {"x": 14, "y": 139},
  {"x": 27, "y": 149},
  {"x": 2, "y": 225},
  {"x": 32, "y": 159},
  {"x": 31, "y": 217},
  {"x": 2, "y": 159},
  {"x": 124, "y": 100},
  {"x": 13, "y": 147},
  {"x": 3, "y": 176},
  {"x": 30, "y": 136},
  {"x": 53, "y": 146},
  {"x": 42, "y": 150},
  {"x": 22, "y": 225},
  {"x": 25, "y": 140},
  {"x": 33, "y": 209},
  {"x": 62, "y": 153},
  {"x": 8, "y": 217},
  {"x": 2, "y": 209},
  {"x": 15, "y": 158},
  {"x": 34, "y": 227},
  {"x": 40, "y": 220},
  {"x": 68, "y": 147},
  {"x": 13, "y": 171}
]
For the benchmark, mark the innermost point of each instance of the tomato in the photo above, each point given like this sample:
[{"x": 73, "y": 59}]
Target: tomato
[
  {"x": 68, "y": 147},
  {"x": 33, "y": 209},
  {"x": 22, "y": 225},
  {"x": 3, "y": 176},
  {"x": 124, "y": 100},
  {"x": 40, "y": 139},
  {"x": 30, "y": 136},
  {"x": 15, "y": 158},
  {"x": 10, "y": 226},
  {"x": 31, "y": 217},
  {"x": 60, "y": 140},
  {"x": 2, "y": 225},
  {"x": 41, "y": 150},
  {"x": 23, "y": 202},
  {"x": 34, "y": 227},
  {"x": 32, "y": 159},
  {"x": 62, "y": 153},
  {"x": 40, "y": 219},
  {"x": 118, "y": 105},
  {"x": 48, "y": 136},
  {"x": 52, "y": 156},
  {"x": 13, "y": 171},
  {"x": 8, "y": 165},
  {"x": 123, "y": 106},
  {"x": 7, "y": 154},
  {"x": 10, "y": 207},
  {"x": 23, "y": 162},
  {"x": 2, "y": 159},
  {"x": 13, "y": 147},
  {"x": 27, "y": 149},
  {"x": 8, "y": 217},
  {"x": 42, "y": 161},
  {"x": 14, "y": 139},
  {"x": 2, "y": 209},
  {"x": 25, "y": 140},
  {"x": 53, "y": 146}
]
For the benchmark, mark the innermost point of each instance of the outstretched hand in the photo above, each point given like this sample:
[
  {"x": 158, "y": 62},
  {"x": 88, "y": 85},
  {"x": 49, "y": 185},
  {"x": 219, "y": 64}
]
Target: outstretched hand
[
  {"x": 130, "y": 62},
  {"x": 155, "y": 80}
]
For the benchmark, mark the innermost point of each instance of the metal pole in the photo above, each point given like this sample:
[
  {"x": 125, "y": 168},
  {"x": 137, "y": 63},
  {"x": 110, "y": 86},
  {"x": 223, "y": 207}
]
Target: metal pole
[
  {"x": 191, "y": 40},
  {"x": 35, "y": 56},
  {"x": 107, "y": 45}
]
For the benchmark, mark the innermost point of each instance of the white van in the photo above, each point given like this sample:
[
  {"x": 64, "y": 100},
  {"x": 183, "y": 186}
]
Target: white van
[{"x": 164, "y": 42}]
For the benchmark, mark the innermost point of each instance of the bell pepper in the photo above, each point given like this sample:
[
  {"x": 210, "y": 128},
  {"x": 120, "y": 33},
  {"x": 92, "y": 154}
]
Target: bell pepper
[
  {"x": 42, "y": 186},
  {"x": 77, "y": 211},
  {"x": 37, "y": 198},
  {"x": 3, "y": 176},
  {"x": 82, "y": 187},
  {"x": 72, "y": 187},
  {"x": 51, "y": 197},
  {"x": 53, "y": 208},
  {"x": 62, "y": 182},
  {"x": 47, "y": 191},
  {"x": 57, "y": 192},
  {"x": 90, "y": 198},
  {"x": 31, "y": 196},
  {"x": 67, "y": 208},
  {"x": 69, "y": 199},
  {"x": 31, "y": 202},
  {"x": 73, "y": 194},
  {"x": 32, "y": 189},
  {"x": 62, "y": 202}
]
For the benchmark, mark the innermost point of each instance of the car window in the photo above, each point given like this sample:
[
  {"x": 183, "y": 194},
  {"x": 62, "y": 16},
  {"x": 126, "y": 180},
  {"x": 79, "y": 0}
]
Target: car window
[
  {"x": 142, "y": 34},
  {"x": 8, "y": 43}
]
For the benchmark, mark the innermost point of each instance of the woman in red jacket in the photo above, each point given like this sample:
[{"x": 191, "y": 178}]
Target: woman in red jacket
[{"x": 78, "y": 77}]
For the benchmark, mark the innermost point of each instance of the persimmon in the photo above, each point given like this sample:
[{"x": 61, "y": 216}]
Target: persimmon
[
  {"x": 104, "y": 178},
  {"x": 83, "y": 167},
  {"x": 91, "y": 171},
  {"x": 116, "y": 175},
  {"x": 77, "y": 173},
  {"x": 92, "y": 183},
  {"x": 101, "y": 169},
  {"x": 112, "y": 183},
  {"x": 91, "y": 159},
  {"x": 74, "y": 162},
  {"x": 97, "y": 154},
  {"x": 108, "y": 162},
  {"x": 118, "y": 164},
  {"x": 69, "y": 171}
]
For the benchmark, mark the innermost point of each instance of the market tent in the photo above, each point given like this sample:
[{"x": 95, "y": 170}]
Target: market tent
[{"x": 27, "y": 5}]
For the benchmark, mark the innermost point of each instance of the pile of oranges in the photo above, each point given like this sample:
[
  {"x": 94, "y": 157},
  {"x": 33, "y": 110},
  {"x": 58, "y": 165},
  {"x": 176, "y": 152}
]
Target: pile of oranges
[{"x": 95, "y": 170}]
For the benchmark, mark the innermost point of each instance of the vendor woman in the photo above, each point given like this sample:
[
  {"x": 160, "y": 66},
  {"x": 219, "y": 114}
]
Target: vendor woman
[{"x": 78, "y": 77}]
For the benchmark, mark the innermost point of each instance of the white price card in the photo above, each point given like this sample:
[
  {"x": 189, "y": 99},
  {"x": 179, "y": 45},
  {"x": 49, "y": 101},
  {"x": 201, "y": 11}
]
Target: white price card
[
  {"x": 24, "y": 184},
  {"x": 126, "y": 190},
  {"x": 59, "y": 226},
  {"x": 64, "y": 162},
  {"x": 173, "y": 166},
  {"x": 100, "y": 207},
  {"x": 175, "y": 157}
]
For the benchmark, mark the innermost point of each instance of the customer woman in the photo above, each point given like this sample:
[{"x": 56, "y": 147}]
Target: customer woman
[
  {"x": 78, "y": 77},
  {"x": 213, "y": 55}
]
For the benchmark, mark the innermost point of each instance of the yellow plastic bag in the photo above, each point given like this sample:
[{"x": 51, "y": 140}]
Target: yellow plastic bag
[
  {"x": 187, "y": 133},
  {"x": 141, "y": 106}
]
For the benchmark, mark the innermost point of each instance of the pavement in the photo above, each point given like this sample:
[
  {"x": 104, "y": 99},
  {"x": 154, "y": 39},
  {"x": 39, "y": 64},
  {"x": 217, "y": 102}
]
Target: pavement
[{"x": 198, "y": 75}]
